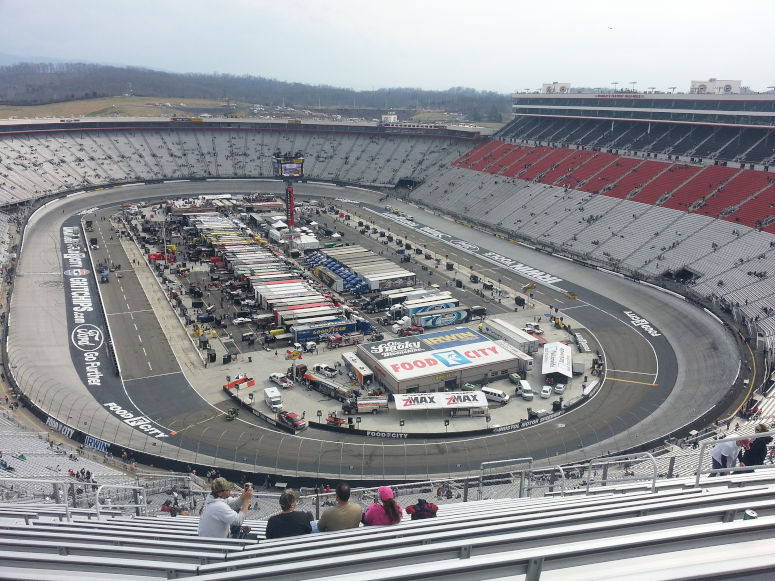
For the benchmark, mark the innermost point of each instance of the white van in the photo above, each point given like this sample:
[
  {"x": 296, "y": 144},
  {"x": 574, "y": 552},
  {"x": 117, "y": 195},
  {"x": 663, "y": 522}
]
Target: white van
[
  {"x": 273, "y": 399},
  {"x": 525, "y": 390},
  {"x": 495, "y": 395}
]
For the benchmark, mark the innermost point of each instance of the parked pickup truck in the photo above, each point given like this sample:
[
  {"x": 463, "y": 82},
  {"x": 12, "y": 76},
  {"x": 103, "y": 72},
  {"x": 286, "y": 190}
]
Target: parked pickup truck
[
  {"x": 292, "y": 420},
  {"x": 281, "y": 379},
  {"x": 324, "y": 369}
]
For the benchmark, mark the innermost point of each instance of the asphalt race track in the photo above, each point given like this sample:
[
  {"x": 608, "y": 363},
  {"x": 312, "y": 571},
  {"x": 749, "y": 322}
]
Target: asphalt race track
[{"x": 654, "y": 384}]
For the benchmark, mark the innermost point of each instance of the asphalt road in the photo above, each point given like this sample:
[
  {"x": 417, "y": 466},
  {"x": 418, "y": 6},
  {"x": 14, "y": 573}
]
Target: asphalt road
[{"x": 655, "y": 384}]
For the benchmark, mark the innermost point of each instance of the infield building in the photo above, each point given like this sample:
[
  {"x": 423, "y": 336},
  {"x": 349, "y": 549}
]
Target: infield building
[{"x": 439, "y": 361}]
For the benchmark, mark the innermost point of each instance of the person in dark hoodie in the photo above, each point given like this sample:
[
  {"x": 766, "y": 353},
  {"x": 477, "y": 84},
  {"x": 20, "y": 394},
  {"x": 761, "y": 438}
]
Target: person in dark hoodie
[{"x": 757, "y": 452}]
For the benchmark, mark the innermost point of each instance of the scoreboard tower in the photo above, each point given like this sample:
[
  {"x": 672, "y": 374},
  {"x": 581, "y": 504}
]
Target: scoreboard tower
[{"x": 288, "y": 167}]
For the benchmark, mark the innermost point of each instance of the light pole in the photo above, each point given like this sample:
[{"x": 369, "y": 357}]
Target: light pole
[
  {"x": 633, "y": 83},
  {"x": 401, "y": 423},
  {"x": 614, "y": 83},
  {"x": 672, "y": 89},
  {"x": 652, "y": 89}
]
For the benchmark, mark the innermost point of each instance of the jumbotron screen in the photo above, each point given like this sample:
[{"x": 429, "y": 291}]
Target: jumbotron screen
[{"x": 288, "y": 168}]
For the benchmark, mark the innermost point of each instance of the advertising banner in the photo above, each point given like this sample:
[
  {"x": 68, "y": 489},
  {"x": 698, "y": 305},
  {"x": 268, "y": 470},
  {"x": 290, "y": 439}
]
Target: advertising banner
[
  {"x": 440, "y": 400},
  {"x": 439, "y": 361},
  {"x": 289, "y": 206},
  {"x": 452, "y": 338},
  {"x": 557, "y": 359},
  {"x": 395, "y": 348}
]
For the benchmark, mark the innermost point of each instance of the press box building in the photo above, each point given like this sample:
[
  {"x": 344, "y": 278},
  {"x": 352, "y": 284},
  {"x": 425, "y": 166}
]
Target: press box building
[{"x": 439, "y": 361}]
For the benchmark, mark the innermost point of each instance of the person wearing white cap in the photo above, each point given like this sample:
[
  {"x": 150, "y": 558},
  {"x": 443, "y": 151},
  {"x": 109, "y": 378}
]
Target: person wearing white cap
[{"x": 221, "y": 512}]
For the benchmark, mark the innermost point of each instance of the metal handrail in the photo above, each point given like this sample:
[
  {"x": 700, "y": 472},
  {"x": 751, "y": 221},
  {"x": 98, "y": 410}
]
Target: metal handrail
[
  {"x": 605, "y": 461},
  {"x": 496, "y": 463},
  {"x": 64, "y": 484},
  {"x": 733, "y": 469},
  {"x": 140, "y": 506},
  {"x": 555, "y": 467}
]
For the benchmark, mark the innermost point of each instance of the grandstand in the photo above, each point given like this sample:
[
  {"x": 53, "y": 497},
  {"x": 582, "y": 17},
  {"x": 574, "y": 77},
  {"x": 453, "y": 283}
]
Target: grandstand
[
  {"x": 625, "y": 181},
  {"x": 616, "y": 518},
  {"x": 40, "y": 160},
  {"x": 665, "y": 202}
]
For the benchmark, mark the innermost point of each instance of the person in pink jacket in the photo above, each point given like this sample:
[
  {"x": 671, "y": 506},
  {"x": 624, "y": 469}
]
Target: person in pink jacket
[{"x": 387, "y": 513}]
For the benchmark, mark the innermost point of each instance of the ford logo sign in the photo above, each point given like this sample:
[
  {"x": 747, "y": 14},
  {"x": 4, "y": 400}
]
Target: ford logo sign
[{"x": 87, "y": 337}]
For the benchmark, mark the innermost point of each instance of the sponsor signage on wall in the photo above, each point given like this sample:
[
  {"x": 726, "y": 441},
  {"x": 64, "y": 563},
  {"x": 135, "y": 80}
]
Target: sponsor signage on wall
[
  {"x": 441, "y": 361},
  {"x": 395, "y": 348},
  {"x": 87, "y": 337},
  {"x": 440, "y": 400},
  {"x": 493, "y": 257}
]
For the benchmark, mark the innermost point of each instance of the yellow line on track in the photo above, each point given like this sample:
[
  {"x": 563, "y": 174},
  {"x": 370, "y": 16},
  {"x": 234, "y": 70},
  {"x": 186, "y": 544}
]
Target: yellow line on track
[{"x": 631, "y": 381}]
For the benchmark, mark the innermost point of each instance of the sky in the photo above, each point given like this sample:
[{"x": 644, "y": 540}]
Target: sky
[{"x": 495, "y": 45}]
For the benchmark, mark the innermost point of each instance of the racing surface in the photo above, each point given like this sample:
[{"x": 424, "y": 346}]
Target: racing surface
[{"x": 656, "y": 381}]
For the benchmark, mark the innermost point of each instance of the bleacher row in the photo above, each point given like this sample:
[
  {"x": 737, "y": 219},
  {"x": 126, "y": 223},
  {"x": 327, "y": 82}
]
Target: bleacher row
[
  {"x": 742, "y": 196},
  {"x": 34, "y": 165},
  {"x": 679, "y": 532},
  {"x": 728, "y": 259},
  {"x": 746, "y": 145}
]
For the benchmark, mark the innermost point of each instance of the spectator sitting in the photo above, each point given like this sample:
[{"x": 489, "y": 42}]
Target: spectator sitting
[
  {"x": 289, "y": 522},
  {"x": 387, "y": 513},
  {"x": 422, "y": 509},
  {"x": 221, "y": 512},
  {"x": 757, "y": 452},
  {"x": 167, "y": 506},
  {"x": 342, "y": 516},
  {"x": 312, "y": 522}
]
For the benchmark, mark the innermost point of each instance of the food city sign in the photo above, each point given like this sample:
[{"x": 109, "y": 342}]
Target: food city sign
[
  {"x": 142, "y": 423},
  {"x": 442, "y": 361},
  {"x": 87, "y": 338}
]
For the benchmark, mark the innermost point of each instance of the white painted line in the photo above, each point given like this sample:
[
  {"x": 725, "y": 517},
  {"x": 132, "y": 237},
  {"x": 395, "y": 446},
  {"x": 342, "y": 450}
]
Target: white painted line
[
  {"x": 144, "y": 352},
  {"x": 151, "y": 376},
  {"x": 638, "y": 372},
  {"x": 149, "y": 366},
  {"x": 139, "y": 338}
]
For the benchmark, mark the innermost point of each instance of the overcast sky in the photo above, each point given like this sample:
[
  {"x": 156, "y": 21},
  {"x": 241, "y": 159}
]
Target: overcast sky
[{"x": 498, "y": 45}]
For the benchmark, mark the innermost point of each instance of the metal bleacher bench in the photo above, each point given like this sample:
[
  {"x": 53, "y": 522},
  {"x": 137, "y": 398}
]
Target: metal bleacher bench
[{"x": 428, "y": 541}]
